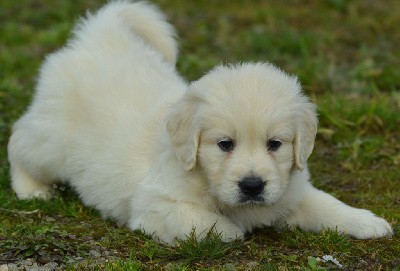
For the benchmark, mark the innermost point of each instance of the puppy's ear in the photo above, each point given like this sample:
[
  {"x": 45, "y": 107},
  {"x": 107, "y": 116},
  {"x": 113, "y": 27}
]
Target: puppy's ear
[
  {"x": 305, "y": 135},
  {"x": 183, "y": 129}
]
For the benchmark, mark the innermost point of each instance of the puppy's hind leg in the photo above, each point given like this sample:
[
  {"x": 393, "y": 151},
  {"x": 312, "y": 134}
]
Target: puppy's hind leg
[
  {"x": 26, "y": 187},
  {"x": 28, "y": 162}
]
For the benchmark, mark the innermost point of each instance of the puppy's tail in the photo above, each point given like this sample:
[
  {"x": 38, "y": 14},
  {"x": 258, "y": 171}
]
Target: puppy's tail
[{"x": 115, "y": 23}]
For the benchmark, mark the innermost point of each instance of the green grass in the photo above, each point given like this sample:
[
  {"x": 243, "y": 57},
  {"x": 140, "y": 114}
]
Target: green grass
[{"x": 347, "y": 56}]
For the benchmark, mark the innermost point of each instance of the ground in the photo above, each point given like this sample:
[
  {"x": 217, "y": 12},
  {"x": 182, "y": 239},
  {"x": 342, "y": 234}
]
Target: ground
[{"x": 347, "y": 56}]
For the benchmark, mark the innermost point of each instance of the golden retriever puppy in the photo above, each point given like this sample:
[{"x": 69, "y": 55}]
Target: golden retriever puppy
[{"x": 228, "y": 152}]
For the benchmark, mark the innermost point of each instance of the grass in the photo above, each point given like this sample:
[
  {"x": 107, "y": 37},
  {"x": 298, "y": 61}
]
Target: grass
[{"x": 346, "y": 55}]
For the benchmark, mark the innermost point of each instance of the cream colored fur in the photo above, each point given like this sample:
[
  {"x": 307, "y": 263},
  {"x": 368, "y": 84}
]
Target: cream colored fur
[{"x": 112, "y": 118}]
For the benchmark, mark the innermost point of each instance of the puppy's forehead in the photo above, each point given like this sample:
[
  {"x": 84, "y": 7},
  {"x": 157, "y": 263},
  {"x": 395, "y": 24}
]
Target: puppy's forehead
[
  {"x": 255, "y": 83},
  {"x": 257, "y": 95}
]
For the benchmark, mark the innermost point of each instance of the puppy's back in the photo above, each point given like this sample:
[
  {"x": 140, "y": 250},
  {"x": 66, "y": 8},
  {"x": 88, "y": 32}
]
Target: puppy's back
[{"x": 98, "y": 106}]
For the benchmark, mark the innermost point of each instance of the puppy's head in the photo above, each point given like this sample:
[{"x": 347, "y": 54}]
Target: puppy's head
[{"x": 247, "y": 127}]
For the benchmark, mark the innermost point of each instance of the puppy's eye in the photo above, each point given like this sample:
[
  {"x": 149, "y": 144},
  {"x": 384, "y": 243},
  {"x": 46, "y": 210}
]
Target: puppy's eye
[
  {"x": 226, "y": 145},
  {"x": 273, "y": 144}
]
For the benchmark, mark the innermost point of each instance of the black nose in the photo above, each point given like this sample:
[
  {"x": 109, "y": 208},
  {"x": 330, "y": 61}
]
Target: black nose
[{"x": 251, "y": 186}]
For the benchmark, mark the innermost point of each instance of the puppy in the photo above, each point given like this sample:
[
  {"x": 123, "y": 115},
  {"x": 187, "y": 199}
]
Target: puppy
[{"x": 112, "y": 118}]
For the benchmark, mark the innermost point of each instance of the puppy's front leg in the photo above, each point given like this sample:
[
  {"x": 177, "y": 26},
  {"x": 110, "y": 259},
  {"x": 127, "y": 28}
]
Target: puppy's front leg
[
  {"x": 319, "y": 210},
  {"x": 171, "y": 221}
]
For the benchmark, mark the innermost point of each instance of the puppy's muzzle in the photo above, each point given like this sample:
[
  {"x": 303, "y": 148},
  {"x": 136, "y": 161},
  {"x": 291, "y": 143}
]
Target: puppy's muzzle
[{"x": 251, "y": 187}]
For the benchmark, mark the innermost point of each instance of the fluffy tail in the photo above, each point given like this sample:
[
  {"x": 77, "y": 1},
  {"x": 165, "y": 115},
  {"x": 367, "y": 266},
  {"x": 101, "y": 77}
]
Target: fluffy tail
[{"x": 116, "y": 22}]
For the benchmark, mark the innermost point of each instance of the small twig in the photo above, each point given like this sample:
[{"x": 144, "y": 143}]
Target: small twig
[
  {"x": 11, "y": 260},
  {"x": 20, "y": 212}
]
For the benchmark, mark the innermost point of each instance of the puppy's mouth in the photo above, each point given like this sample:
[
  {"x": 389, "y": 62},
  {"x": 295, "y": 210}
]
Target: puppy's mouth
[{"x": 248, "y": 200}]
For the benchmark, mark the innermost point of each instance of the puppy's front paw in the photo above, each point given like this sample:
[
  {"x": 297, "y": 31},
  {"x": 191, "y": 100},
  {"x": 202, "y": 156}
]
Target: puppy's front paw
[
  {"x": 228, "y": 231},
  {"x": 183, "y": 220},
  {"x": 363, "y": 224}
]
